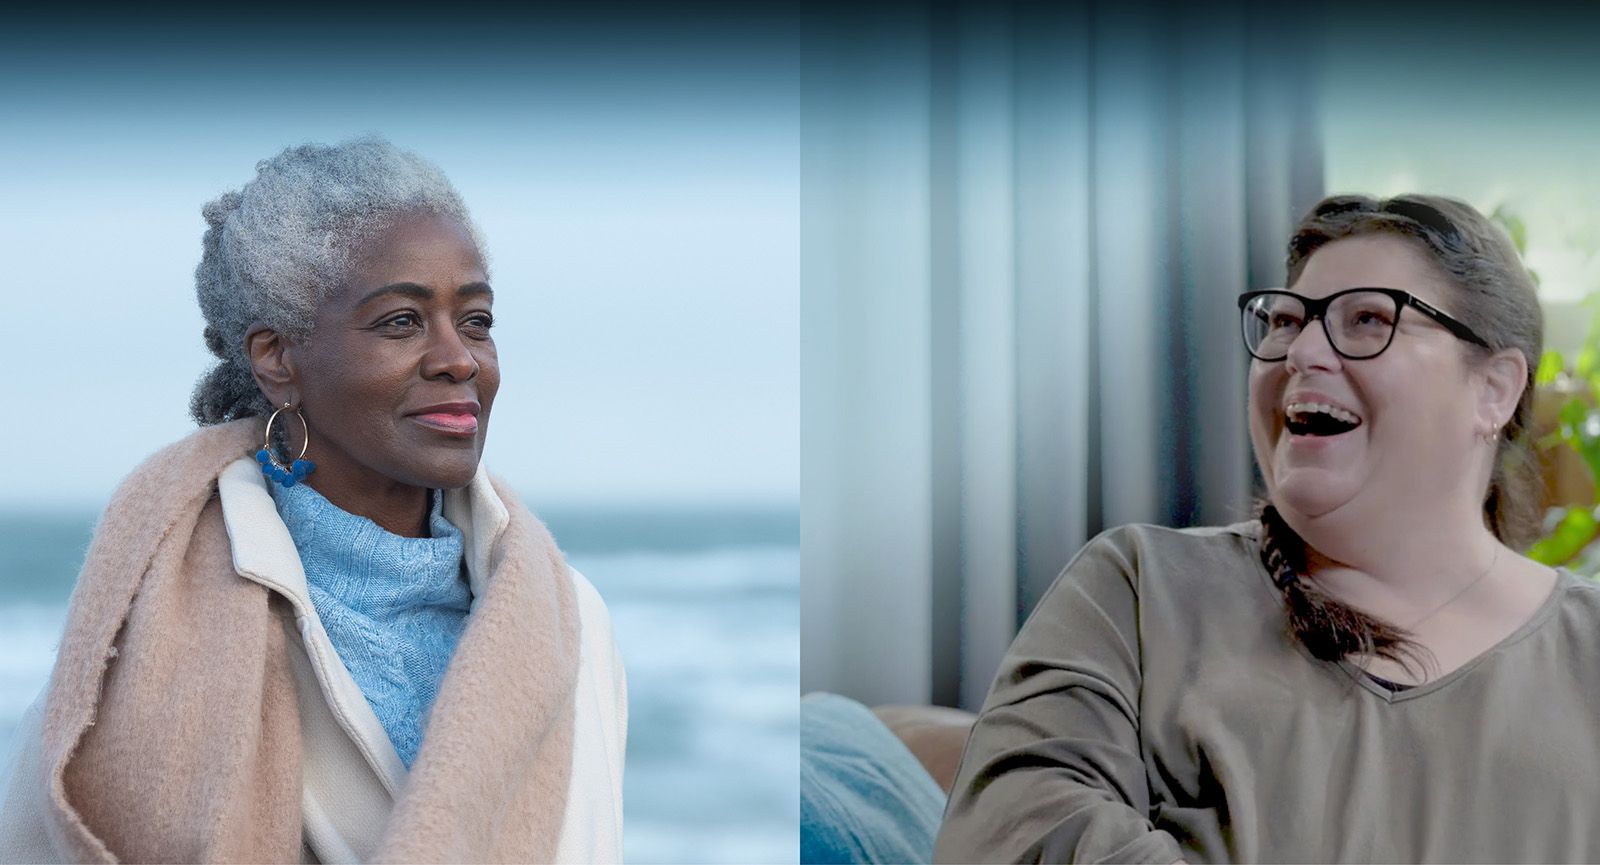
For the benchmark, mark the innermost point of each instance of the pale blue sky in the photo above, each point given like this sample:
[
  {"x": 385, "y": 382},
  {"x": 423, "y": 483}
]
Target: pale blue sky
[{"x": 641, "y": 216}]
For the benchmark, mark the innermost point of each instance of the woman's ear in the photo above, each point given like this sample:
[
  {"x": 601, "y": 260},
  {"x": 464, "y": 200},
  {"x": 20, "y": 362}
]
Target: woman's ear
[
  {"x": 272, "y": 362},
  {"x": 1504, "y": 375}
]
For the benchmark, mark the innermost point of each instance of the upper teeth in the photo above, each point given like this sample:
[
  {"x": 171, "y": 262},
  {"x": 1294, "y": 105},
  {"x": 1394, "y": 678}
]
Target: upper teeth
[{"x": 1305, "y": 408}]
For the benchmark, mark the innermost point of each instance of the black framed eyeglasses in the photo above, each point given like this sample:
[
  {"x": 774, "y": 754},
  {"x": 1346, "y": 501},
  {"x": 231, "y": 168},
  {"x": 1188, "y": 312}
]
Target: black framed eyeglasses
[{"x": 1359, "y": 322}]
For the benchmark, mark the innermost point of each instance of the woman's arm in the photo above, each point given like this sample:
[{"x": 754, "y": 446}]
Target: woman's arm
[{"x": 1053, "y": 770}]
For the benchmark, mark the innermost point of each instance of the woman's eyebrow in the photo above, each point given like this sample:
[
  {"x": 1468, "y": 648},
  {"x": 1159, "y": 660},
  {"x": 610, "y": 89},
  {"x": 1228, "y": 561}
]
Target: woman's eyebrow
[
  {"x": 409, "y": 289},
  {"x": 422, "y": 292}
]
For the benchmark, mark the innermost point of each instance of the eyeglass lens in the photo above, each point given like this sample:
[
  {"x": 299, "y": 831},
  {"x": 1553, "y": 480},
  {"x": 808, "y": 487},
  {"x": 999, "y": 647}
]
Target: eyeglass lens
[{"x": 1359, "y": 324}]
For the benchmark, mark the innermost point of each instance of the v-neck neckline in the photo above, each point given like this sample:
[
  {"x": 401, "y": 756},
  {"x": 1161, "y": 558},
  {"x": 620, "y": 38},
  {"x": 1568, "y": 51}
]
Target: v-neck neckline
[
  {"x": 1565, "y": 580},
  {"x": 1547, "y": 608}
]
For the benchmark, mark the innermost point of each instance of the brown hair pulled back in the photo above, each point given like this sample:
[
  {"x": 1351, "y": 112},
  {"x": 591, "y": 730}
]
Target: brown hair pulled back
[{"x": 1494, "y": 295}]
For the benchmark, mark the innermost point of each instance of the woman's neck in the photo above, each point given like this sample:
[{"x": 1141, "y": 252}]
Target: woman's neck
[
  {"x": 398, "y": 508},
  {"x": 1401, "y": 568}
]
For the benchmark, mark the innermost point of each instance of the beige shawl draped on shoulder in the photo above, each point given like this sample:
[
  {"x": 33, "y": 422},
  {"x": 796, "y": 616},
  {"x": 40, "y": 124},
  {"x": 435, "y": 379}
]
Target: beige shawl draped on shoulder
[{"x": 171, "y": 732}]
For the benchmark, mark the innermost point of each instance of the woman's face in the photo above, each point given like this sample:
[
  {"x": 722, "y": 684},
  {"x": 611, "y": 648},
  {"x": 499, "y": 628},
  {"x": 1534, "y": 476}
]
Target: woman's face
[
  {"x": 1416, "y": 443},
  {"x": 400, "y": 373}
]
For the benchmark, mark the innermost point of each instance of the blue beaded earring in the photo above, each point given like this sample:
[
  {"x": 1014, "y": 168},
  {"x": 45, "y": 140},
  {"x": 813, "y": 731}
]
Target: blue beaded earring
[{"x": 273, "y": 470}]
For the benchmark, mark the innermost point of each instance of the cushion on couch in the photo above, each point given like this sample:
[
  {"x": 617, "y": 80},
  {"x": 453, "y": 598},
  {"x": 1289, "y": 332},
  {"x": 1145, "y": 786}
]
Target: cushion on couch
[
  {"x": 864, "y": 797},
  {"x": 936, "y": 735}
]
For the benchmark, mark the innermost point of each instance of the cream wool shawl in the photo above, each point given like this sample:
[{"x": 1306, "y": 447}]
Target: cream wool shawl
[{"x": 171, "y": 730}]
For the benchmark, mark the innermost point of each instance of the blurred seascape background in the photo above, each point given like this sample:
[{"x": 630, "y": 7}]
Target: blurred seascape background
[{"x": 634, "y": 169}]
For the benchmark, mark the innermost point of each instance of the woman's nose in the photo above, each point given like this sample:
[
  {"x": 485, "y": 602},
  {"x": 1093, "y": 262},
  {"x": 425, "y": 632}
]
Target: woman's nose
[
  {"x": 1311, "y": 349},
  {"x": 448, "y": 356}
]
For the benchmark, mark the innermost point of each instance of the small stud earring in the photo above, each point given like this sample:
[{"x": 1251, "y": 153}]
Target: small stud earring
[{"x": 275, "y": 471}]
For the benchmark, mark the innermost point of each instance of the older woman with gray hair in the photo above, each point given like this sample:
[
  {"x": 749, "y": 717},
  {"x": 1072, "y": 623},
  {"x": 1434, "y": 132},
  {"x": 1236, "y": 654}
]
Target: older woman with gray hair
[{"x": 316, "y": 629}]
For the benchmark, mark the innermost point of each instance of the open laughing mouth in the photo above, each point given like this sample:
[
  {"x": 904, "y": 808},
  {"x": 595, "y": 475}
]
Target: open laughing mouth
[{"x": 1319, "y": 419}]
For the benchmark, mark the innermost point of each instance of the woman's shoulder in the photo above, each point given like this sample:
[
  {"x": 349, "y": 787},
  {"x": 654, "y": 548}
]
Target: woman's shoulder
[
  {"x": 1144, "y": 551},
  {"x": 167, "y": 489},
  {"x": 592, "y": 609},
  {"x": 1158, "y": 566},
  {"x": 192, "y": 462},
  {"x": 1576, "y": 603},
  {"x": 1191, "y": 538}
]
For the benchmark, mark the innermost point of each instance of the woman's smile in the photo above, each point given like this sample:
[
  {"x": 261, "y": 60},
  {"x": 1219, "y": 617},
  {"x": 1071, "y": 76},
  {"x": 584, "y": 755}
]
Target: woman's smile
[
  {"x": 1315, "y": 423},
  {"x": 456, "y": 420}
]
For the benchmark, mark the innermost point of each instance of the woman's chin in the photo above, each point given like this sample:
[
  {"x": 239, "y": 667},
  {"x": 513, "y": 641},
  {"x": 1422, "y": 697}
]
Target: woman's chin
[
  {"x": 451, "y": 473},
  {"x": 1308, "y": 496}
]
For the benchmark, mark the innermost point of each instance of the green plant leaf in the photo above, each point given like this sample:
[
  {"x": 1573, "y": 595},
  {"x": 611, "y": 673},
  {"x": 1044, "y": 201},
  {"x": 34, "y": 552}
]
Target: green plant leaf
[
  {"x": 1572, "y": 416},
  {"x": 1576, "y": 529},
  {"x": 1588, "y": 360},
  {"x": 1587, "y": 441},
  {"x": 1547, "y": 442},
  {"x": 1551, "y": 363},
  {"x": 1590, "y": 452}
]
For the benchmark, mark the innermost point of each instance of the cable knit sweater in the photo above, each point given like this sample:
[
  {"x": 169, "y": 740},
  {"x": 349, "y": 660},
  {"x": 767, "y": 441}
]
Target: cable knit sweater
[{"x": 394, "y": 607}]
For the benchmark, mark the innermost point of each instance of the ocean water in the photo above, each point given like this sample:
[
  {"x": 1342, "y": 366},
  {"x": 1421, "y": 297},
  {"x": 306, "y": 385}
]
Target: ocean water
[{"x": 705, "y": 604}]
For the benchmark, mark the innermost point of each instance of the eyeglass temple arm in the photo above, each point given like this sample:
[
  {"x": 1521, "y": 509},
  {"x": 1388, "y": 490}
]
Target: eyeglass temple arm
[{"x": 1449, "y": 323}]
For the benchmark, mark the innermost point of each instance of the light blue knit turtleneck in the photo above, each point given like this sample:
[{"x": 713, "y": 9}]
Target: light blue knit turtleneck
[{"x": 394, "y": 607}]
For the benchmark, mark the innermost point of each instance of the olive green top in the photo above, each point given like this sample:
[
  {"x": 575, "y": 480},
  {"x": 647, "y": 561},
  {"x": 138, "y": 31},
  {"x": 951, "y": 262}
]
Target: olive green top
[{"x": 1155, "y": 707}]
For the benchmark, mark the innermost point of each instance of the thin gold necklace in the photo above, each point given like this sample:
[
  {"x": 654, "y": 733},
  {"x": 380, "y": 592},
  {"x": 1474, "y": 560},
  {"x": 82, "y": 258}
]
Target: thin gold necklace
[
  {"x": 1457, "y": 596},
  {"x": 1366, "y": 667}
]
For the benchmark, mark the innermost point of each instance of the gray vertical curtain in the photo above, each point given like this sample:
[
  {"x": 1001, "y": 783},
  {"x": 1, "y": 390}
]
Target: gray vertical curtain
[{"x": 1023, "y": 229}]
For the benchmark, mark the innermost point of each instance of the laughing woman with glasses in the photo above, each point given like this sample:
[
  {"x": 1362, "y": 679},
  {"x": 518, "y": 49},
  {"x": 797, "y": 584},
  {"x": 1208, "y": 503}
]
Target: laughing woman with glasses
[{"x": 1369, "y": 671}]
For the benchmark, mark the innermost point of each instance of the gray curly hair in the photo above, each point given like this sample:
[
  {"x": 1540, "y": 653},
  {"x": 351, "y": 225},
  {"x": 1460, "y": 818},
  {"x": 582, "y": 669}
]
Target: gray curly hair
[{"x": 275, "y": 249}]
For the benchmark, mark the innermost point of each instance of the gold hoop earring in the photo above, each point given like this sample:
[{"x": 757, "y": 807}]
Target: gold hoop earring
[{"x": 275, "y": 471}]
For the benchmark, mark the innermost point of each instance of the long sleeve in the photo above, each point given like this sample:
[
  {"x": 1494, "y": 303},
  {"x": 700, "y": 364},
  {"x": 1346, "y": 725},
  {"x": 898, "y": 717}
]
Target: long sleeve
[{"x": 1052, "y": 771}]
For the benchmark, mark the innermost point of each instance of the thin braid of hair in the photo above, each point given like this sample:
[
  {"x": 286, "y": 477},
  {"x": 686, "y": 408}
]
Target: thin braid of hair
[{"x": 1329, "y": 629}]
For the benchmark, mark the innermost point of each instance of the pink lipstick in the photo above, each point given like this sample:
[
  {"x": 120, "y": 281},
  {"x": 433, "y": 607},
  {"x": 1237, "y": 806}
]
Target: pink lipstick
[
  {"x": 460, "y": 424},
  {"x": 454, "y": 418}
]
